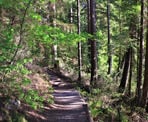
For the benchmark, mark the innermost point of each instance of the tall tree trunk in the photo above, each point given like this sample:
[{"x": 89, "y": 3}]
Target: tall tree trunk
[
  {"x": 145, "y": 84},
  {"x": 141, "y": 48},
  {"x": 125, "y": 71},
  {"x": 71, "y": 14},
  {"x": 71, "y": 17},
  {"x": 109, "y": 39},
  {"x": 120, "y": 56},
  {"x": 79, "y": 43},
  {"x": 88, "y": 16},
  {"x": 93, "y": 42},
  {"x": 88, "y": 30},
  {"x": 55, "y": 47}
]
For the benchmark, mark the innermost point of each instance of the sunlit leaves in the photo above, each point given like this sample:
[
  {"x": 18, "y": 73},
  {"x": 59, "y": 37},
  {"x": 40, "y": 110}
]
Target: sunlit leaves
[
  {"x": 32, "y": 98},
  {"x": 99, "y": 35},
  {"x": 7, "y": 45},
  {"x": 69, "y": 1},
  {"x": 54, "y": 35},
  {"x": 35, "y": 16},
  {"x": 52, "y": 0},
  {"x": 26, "y": 81},
  {"x": 95, "y": 107}
]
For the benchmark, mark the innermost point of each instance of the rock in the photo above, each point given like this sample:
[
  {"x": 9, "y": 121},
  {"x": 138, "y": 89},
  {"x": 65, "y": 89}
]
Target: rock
[{"x": 13, "y": 104}]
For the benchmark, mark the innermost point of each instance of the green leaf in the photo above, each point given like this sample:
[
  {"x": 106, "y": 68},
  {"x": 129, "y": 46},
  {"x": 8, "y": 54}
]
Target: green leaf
[
  {"x": 33, "y": 105},
  {"x": 21, "y": 95},
  {"x": 26, "y": 81}
]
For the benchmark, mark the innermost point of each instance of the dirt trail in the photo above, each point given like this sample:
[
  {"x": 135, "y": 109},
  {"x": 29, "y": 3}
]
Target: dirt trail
[{"x": 69, "y": 105}]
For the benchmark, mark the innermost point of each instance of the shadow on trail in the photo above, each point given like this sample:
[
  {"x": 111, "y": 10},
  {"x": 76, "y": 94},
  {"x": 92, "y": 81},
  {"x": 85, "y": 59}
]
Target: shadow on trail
[{"x": 68, "y": 104}]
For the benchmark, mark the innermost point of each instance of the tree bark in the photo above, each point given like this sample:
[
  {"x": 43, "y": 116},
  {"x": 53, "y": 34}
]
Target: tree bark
[
  {"x": 109, "y": 39},
  {"x": 88, "y": 30},
  {"x": 130, "y": 72},
  {"x": 145, "y": 84},
  {"x": 79, "y": 43},
  {"x": 93, "y": 42},
  {"x": 71, "y": 14},
  {"x": 141, "y": 50},
  {"x": 52, "y": 20},
  {"x": 120, "y": 57},
  {"x": 125, "y": 71}
]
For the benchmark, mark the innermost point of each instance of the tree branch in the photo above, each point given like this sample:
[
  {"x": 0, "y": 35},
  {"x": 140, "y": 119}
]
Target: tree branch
[{"x": 21, "y": 33}]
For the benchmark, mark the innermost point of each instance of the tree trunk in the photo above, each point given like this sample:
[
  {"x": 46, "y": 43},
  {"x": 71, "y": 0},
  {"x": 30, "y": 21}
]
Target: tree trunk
[
  {"x": 130, "y": 72},
  {"x": 141, "y": 48},
  {"x": 71, "y": 14},
  {"x": 21, "y": 32},
  {"x": 89, "y": 41},
  {"x": 93, "y": 42},
  {"x": 88, "y": 16},
  {"x": 109, "y": 39},
  {"x": 54, "y": 47},
  {"x": 145, "y": 84},
  {"x": 125, "y": 70},
  {"x": 120, "y": 57},
  {"x": 71, "y": 17},
  {"x": 79, "y": 43},
  {"x": 121, "y": 62}
]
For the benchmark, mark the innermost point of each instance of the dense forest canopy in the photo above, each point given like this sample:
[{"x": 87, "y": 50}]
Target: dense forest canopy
[{"x": 101, "y": 44}]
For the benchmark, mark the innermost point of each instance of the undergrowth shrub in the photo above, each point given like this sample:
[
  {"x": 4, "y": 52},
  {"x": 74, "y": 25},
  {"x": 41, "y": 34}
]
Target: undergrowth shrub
[{"x": 16, "y": 88}]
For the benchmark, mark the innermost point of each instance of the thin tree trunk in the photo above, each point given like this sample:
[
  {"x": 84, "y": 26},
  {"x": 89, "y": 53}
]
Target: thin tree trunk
[
  {"x": 88, "y": 16},
  {"x": 120, "y": 30},
  {"x": 109, "y": 39},
  {"x": 21, "y": 32},
  {"x": 71, "y": 14},
  {"x": 79, "y": 43},
  {"x": 93, "y": 42},
  {"x": 141, "y": 50},
  {"x": 71, "y": 17},
  {"x": 88, "y": 30},
  {"x": 54, "y": 47},
  {"x": 130, "y": 72}
]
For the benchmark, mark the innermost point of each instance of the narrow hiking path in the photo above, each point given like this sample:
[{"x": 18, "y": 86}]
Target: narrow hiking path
[{"x": 68, "y": 104}]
